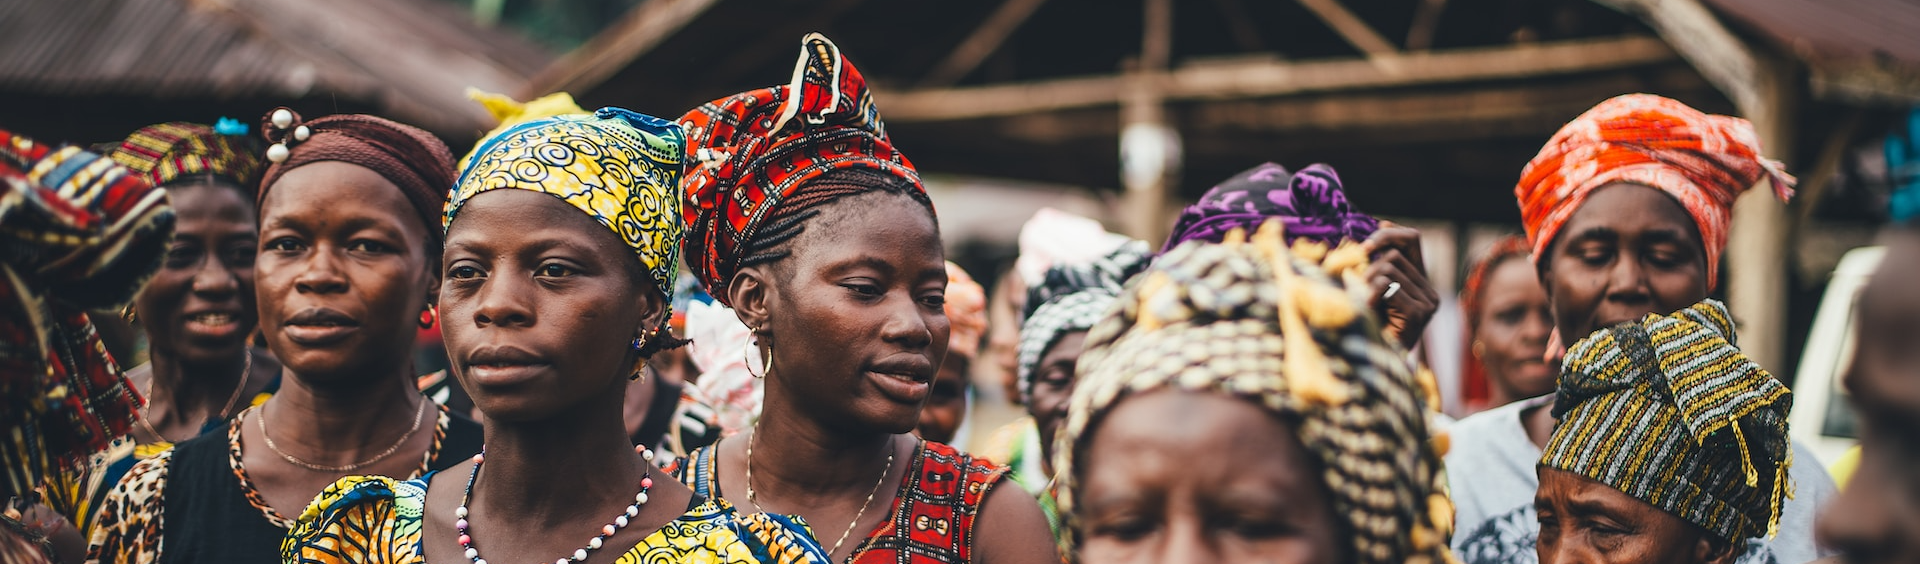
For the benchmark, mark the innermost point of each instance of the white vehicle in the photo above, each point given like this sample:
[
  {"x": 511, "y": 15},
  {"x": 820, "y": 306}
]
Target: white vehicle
[{"x": 1821, "y": 419}]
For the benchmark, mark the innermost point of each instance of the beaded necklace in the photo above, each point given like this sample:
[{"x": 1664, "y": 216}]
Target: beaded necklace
[{"x": 579, "y": 554}]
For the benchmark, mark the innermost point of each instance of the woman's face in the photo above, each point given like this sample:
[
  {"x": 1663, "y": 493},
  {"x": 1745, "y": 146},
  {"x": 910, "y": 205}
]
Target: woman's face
[
  {"x": 946, "y": 401},
  {"x": 1052, "y": 387},
  {"x": 540, "y": 306},
  {"x": 1586, "y": 522},
  {"x": 1877, "y": 517},
  {"x": 198, "y": 308},
  {"x": 1630, "y": 250},
  {"x": 342, "y": 273},
  {"x": 1258, "y": 498},
  {"x": 855, "y": 313},
  {"x": 1510, "y": 336}
]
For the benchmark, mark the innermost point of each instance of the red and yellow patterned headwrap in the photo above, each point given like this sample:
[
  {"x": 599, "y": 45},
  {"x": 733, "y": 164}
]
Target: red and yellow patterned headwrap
[
  {"x": 166, "y": 151},
  {"x": 1702, "y": 160},
  {"x": 753, "y": 153}
]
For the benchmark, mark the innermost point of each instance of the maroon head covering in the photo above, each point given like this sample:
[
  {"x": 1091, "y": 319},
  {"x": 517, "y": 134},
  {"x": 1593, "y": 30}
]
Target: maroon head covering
[{"x": 412, "y": 159}]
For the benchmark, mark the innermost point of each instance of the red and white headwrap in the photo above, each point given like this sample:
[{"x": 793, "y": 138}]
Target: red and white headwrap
[{"x": 1702, "y": 160}]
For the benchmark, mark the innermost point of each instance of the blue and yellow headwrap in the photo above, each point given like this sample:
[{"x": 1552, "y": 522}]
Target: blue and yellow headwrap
[{"x": 620, "y": 167}]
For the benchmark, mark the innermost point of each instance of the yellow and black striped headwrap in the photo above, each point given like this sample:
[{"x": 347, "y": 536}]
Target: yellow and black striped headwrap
[
  {"x": 1669, "y": 411},
  {"x": 1287, "y": 329}
]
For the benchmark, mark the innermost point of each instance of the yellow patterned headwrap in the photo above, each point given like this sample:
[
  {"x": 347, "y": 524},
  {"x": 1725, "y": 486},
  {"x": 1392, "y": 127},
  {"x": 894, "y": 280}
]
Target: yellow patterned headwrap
[{"x": 620, "y": 167}]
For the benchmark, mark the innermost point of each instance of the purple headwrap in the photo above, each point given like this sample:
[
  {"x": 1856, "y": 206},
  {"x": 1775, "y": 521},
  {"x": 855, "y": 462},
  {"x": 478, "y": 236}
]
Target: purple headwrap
[{"x": 1310, "y": 203}]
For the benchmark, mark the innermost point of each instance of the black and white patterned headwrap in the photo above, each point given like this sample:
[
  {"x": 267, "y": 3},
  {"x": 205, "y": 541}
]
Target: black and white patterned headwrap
[
  {"x": 1071, "y": 298},
  {"x": 1289, "y": 330}
]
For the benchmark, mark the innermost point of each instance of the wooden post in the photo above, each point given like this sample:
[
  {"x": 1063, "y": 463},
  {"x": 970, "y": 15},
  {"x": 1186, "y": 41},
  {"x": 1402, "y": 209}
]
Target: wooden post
[
  {"x": 1149, "y": 148},
  {"x": 1757, "y": 249}
]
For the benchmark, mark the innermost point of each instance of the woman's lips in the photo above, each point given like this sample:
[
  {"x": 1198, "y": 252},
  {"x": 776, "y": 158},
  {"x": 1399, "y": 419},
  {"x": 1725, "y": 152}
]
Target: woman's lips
[
  {"x": 319, "y": 327},
  {"x": 212, "y": 325},
  {"x": 504, "y": 365},
  {"x": 900, "y": 387}
]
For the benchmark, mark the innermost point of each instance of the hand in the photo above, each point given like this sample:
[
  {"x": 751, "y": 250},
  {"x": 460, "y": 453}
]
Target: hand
[{"x": 1395, "y": 250}]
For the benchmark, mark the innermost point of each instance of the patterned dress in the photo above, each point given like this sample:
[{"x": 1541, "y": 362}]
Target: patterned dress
[
  {"x": 377, "y": 520},
  {"x": 200, "y": 482},
  {"x": 933, "y": 511}
]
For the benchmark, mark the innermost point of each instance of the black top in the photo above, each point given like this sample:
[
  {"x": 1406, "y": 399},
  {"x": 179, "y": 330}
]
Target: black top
[{"x": 208, "y": 517}]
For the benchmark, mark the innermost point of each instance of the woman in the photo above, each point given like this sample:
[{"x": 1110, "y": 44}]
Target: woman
[
  {"x": 1310, "y": 421},
  {"x": 198, "y": 310},
  {"x": 82, "y": 234},
  {"x": 1067, "y": 302},
  {"x": 805, "y": 219},
  {"x": 1508, "y": 320},
  {"x": 1626, "y": 211},
  {"x": 562, "y": 237},
  {"x": 1671, "y": 447},
  {"x": 348, "y": 261},
  {"x": 950, "y": 398}
]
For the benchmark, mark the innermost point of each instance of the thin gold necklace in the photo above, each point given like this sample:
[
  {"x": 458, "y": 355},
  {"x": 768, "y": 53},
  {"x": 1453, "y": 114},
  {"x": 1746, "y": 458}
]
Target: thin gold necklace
[
  {"x": 417, "y": 412},
  {"x": 755, "y": 432},
  {"x": 246, "y": 366}
]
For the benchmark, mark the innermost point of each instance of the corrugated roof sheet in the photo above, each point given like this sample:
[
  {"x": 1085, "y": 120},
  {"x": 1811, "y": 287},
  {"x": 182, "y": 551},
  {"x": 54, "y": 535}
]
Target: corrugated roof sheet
[{"x": 411, "y": 58}]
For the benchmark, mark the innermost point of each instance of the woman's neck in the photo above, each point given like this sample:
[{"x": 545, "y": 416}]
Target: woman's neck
[
  {"x": 347, "y": 416},
  {"x": 180, "y": 389},
  {"x": 811, "y": 456},
  {"x": 551, "y": 470}
]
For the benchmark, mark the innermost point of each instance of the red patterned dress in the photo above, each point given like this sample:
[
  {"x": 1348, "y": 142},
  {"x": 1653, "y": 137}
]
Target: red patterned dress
[{"x": 933, "y": 510}]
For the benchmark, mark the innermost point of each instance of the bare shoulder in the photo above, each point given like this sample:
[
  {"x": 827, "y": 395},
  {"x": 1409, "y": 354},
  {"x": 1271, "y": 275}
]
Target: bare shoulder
[{"x": 1011, "y": 529}]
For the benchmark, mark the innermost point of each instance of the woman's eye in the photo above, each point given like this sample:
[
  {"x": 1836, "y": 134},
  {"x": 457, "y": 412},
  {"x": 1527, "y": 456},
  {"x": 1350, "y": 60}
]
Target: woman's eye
[
  {"x": 935, "y": 301},
  {"x": 365, "y": 246},
  {"x": 284, "y": 244},
  {"x": 1258, "y": 528},
  {"x": 463, "y": 273},
  {"x": 180, "y": 257},
  {"x": 866, "y": 290},
  {"x": 1124, "y": 529},
  {"x": 553, "y": 271}
]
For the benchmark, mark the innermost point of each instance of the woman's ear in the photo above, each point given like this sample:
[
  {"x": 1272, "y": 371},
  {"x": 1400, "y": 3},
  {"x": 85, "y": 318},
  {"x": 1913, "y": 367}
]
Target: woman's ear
[
  {"x": 1714, "y": 551},
  {"x": 653, "y": 309},
  {"x": 750, "y": 293}
]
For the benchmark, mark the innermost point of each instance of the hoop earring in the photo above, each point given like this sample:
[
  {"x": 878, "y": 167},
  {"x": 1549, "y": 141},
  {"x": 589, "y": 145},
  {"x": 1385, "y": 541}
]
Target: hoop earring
[
  {"x": 428, "y": 316},
  {"x": 640, "y": 365},
  {"x": 1479, "y": 349},
  {"x": 749, "y": 362}
]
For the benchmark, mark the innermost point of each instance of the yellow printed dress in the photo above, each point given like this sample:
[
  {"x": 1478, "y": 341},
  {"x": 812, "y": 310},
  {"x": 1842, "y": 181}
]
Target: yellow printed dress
[{"x": 377, "y": 520}]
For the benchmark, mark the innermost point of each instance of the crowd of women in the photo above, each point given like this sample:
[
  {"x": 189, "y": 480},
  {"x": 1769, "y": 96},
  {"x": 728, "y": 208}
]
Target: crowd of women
[{"x": 1240, "y": 392}]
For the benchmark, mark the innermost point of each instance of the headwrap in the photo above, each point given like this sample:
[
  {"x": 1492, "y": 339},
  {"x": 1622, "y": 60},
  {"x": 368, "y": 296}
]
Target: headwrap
[
  {"x": 415, "y": 161},
  {"x": 1053, "y": 237},
  {"x": 755, "y": 153},
  {"x": 966, "y": 311},
  {"x": 1509, "y": 246},
  {"x": 1073, "y": 297},
  {"x": 1253, "y": 320},
  {"x": 1703, "y": 161},
  {"x": 1668, "y": 410},
  {"x": 1311, "y": 203},
  {"x": 80, "y": 233},
  {"x": 166, "y": 151},
  {"x": 619, "y": 167}
]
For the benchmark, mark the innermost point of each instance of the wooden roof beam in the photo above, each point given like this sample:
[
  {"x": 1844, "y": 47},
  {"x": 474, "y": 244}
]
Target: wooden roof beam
[
  {"x": 982, "y": 42},
  {"x": 1265, "y": 78},
  {"x": 639, "y": 31},
  {"x": 1734, "y": 68},
  {"x": 1353, "y": 29}
]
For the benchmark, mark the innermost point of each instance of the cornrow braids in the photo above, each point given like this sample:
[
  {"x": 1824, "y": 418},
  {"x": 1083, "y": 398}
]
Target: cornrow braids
[{"x": 770, "y": 244}]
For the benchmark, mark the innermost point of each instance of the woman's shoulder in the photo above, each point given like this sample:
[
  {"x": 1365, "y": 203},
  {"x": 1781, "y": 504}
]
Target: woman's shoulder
[{"x": 375, "y": 516}]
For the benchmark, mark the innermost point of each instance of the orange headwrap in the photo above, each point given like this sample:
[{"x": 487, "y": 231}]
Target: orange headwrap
[
  {"x": 966, "y": 311},
  {"x": 1702, "y": 160}
]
